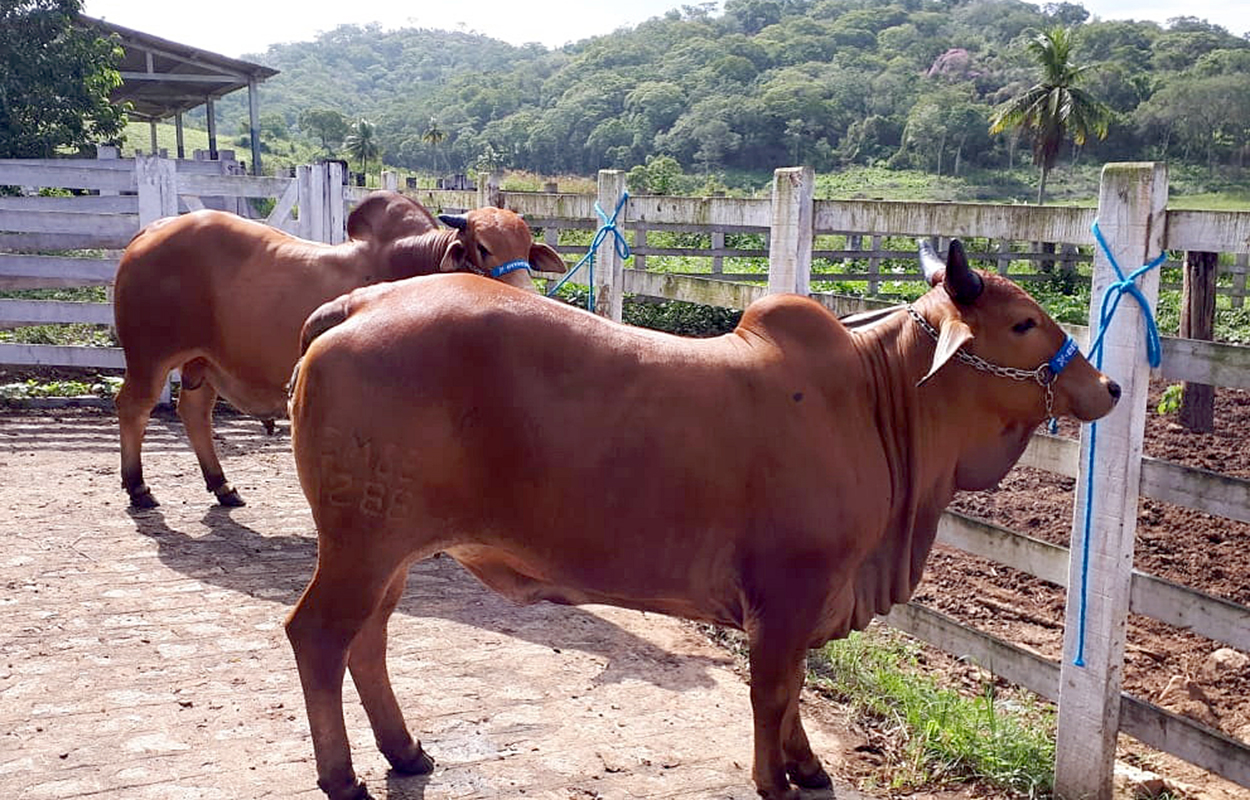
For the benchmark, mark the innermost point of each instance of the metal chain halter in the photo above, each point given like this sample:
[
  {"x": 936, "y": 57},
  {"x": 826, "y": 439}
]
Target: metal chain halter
[{"x": 1043, "y": 374}]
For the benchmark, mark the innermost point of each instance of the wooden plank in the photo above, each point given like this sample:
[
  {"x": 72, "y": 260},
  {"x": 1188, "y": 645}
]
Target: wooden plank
[
  {"x": 93, "y": 203},
  {"x": 1192, "y": 610},
  {"x": 1020, "y": 666},
  {"x": 692, "y": 290},
  {"x": 1192, "y": 487},
  {"x": 54, "y": 242},
  {"x": 692, "y": 213},
  {"x": 54, "y": 271},
  {"x": 280, "y": 217},
  {"x": 1182, "y": 737},
  {"x": 1213, "y": 363},
  {"x": 909, "y": 218},
  {"x": 15, "y": 313},
  {"x": 107, "y": 175},
  {"x": 1131, "y": 205},
  {"x": 231, "y": 185},
  {"x": 844, "y": 305},
  {"x": 104, "y": 225},
  {"x": 1213, "y": 231},
  {"x": 978, "y": 537},
  {"x": 62, "y": 356}
]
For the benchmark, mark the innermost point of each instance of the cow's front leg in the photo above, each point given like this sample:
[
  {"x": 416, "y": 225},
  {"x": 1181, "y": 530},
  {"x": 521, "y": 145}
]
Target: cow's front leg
[
  {"x": 775, "y": 682},
  {"x": 802, "y": 765}
]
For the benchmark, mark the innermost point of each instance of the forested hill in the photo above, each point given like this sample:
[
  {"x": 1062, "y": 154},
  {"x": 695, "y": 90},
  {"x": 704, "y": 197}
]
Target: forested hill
[{"x": 766, "y": 83}]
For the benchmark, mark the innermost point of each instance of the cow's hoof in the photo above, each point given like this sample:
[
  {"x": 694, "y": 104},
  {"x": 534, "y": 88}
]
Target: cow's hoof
[
  {"x": 356, "y": 791},
  {"x": 142, "y": 498},
  {"x": 229, "y": 498},
  {"x": 788, "y": 793},
  {"x": 269, "y": 426},
  {"x": 810, "y": 779},
  {"x": 414, "y": 762}
]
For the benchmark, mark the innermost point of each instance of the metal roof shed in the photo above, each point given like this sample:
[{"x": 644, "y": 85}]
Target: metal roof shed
[{"x": 164, "y": 79}]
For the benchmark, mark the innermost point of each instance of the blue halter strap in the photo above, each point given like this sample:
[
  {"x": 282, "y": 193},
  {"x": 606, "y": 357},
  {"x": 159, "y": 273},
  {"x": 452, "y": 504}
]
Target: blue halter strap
[{"x": 511, "y": 266}]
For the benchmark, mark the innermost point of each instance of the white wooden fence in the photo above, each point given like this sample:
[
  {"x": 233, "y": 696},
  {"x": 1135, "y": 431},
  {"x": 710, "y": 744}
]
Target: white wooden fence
[{"x": 1132, "y": 213}]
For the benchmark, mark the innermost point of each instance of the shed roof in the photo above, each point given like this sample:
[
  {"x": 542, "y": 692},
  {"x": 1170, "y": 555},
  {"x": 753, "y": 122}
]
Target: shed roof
[{"x": 162, "y": 78}]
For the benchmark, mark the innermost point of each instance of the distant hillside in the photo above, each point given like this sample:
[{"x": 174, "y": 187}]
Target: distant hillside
[{"x": 766, "y": 83}]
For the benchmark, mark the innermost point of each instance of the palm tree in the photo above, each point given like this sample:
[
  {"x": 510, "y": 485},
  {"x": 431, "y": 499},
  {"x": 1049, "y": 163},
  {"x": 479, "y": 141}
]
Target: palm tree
[
  {"x": 435, "y": 136},
  {"x": 361, "y": 145},
  {"x": 1052, "y": 109}
]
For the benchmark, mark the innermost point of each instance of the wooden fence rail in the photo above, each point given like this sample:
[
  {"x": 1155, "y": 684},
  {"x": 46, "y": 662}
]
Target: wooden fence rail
[{"x": 795, "y": 232}]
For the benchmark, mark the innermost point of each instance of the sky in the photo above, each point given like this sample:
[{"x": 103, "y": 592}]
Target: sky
[{"x": 238, "y": 27}]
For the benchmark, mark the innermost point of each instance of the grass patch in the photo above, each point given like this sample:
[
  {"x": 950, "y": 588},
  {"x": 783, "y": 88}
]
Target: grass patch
[
  {"x": 939, "y": 735},
  {"x": 103, "y": 386}
]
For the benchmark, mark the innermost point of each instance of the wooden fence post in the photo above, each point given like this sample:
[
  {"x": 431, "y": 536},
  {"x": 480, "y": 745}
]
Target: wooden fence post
[
  {"x": 157, "y": 184},
  {"x": 1198, "y": 322},
  {"x": 1240, "y": 268},
  {"x": 335, "y": 203},
  {"x": 1131, "y": 208},
  {"x": 609, "y": 285},
  {"x": 790, "y": 242},
  {"x": 322, "y": 215}
]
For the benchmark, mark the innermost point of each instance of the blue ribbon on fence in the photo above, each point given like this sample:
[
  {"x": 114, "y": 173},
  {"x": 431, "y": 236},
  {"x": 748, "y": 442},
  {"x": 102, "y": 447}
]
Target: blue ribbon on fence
[
  {"x": 1154, "y": 354},
  {"x": 618, "y": 242}
]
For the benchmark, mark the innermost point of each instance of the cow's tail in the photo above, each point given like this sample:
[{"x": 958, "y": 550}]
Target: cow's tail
[{"x": 325, "y": 317}]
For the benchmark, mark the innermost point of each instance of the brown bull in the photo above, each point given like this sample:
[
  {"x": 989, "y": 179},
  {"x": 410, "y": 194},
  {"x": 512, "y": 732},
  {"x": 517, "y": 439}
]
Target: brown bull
[
  {"x": 223, "y": 298},
  {"x": 785, "y": 479}
]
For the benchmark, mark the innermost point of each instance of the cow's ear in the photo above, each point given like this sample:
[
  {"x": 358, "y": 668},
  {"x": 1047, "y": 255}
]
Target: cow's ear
[
  {"x": 544, "y": 258},
  {"x": 453, "y": 257},
  {"x": 953, "y": 335}
]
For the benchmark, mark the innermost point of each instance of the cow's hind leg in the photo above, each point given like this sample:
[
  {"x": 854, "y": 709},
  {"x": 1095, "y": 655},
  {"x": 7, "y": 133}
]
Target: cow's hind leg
[
  {"x": 367, "y": 662},
  {"x": 802, "y": 765},
  {"x": 196, "y": 400},
  {"x": 347, "y": 590},
  {"x": 141, "y": 389}
]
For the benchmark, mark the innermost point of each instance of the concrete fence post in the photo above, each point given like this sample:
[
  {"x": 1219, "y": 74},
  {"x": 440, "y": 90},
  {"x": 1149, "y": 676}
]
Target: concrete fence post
[
  {"x": 1131, "y": 207},
  {"x": 488, "y": 189},
  {"x": 390, "y": 180},
  {"x": 609, "y": 284},
  {"x": 790, "y": 242}
]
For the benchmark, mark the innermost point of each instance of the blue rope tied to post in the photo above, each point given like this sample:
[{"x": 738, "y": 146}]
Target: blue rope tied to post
[
  {"x": 619, "y": 243},
  {"x": 1154, "y": 354}
]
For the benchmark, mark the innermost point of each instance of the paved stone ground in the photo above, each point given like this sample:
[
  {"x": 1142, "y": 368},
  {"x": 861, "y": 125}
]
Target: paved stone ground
[{"x": 142, "y": 655}]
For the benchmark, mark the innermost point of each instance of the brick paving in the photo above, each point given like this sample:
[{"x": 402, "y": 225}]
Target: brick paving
[{"x": 142, "y": 656}]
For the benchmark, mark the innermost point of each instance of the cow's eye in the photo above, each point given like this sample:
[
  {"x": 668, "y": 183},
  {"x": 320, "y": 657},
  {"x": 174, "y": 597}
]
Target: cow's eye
[
  {"x": 483, "y": 252},
  {"x": 1025, "y": 326}
]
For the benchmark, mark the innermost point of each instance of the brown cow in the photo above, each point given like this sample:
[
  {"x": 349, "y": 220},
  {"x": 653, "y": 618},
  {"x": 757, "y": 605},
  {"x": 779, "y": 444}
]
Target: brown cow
[
  {"x": 223, "y": 298},
  {"x": 785, "y": 479}
]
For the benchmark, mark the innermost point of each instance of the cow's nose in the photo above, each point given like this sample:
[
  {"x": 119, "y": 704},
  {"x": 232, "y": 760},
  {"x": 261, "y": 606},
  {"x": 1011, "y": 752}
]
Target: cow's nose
[{"x": 1114, "y": 388}]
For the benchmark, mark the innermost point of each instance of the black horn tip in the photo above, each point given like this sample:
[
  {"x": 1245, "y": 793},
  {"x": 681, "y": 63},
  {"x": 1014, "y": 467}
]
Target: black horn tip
[
  {"x": 962, "y": 282},
  {"x": 457, "y": 221}
]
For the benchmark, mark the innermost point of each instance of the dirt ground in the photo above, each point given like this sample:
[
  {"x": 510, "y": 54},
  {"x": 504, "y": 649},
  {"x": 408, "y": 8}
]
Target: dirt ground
[
  {"x": 142, "y": 655},
  {"x": 1164, "y": 665}
]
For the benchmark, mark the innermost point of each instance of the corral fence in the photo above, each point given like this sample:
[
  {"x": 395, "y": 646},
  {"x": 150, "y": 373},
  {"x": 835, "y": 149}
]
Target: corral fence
[{"x": 35, "y": 232}]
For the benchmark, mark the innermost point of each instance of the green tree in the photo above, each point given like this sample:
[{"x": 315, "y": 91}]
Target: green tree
[
  {"x": 1055, "y": 107},
  {"x": 362, "y": 144},
  {"x": 328, "y": 125},
  {"x": 55, "y": 79},
  {"x": 434, "y": 136}
]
